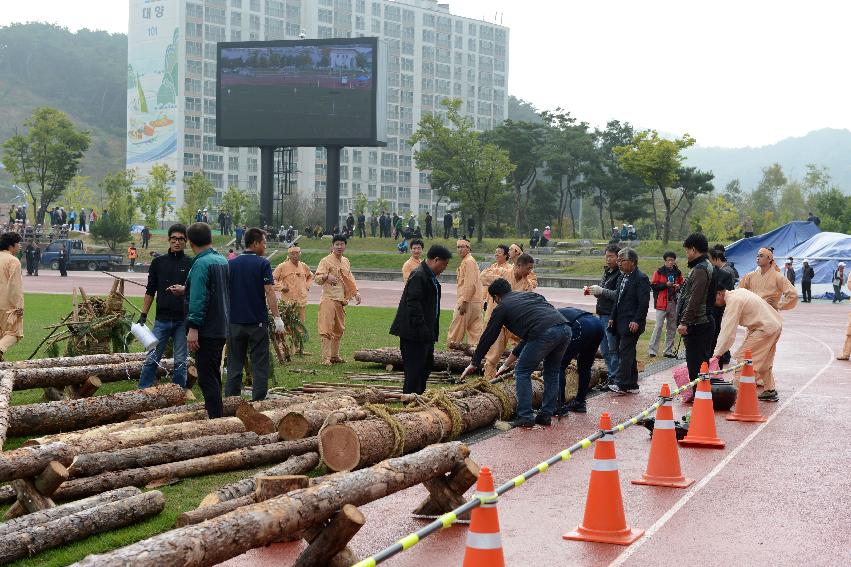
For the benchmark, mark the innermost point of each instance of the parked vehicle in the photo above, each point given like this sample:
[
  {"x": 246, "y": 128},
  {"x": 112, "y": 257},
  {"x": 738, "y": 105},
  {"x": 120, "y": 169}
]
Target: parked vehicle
[{"x": 78, "y": 258}]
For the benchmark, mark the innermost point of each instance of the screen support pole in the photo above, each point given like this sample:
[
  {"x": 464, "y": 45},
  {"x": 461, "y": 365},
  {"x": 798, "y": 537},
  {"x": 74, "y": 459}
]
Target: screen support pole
[
  {"x": 332, "y": 188},
  {"x": 267, "y": 182}
]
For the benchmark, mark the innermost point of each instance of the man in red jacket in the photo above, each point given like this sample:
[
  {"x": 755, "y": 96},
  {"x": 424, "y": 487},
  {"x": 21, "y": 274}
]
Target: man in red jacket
[{"x": 666, "y": 282}]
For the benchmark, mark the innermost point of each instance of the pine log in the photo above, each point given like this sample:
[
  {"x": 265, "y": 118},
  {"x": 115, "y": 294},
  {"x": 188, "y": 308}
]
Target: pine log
[
  {"x": 455, "y": 361},
  {"x": 7, "y": 382},
  {"x": 71, "y": 361},
  {"x": 71, "y": 415},
  {"x": 7, "y": 494},
  {"x": 447, "y": 493},
  {"x": 229, "y": 405},
  {"x": 73, "y": 527},
  {"x": 29, "y": 499},
  {"x": 269, "y": 420},
  {"x": 28, "y": 462},
  {"x": 298, "y": 424},
  {"x": 85, "y": 390},
  {"x": 58, "y": 377},
  {"x": 267, "y": 487},
  {"x": 356, "y": 444},
  {"x": 253, "y": 420},
  {"x": 122, "y": 439},
  {"x": 245, "y": 458},
  {"x": 50, "y": 514},
  {"x": 328, "y": 547},
  {"x": 50, "y": 478},
  {"x": 295, "y": 465},
  {"x": 266, "y": 522}
]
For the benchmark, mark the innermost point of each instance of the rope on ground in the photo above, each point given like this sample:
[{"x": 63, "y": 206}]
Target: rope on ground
[
  {"x": 450, "y": 518},
  {"x": 484, "y": 385}
]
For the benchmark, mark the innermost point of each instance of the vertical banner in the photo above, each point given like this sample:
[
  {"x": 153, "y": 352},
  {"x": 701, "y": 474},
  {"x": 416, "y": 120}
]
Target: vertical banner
[{"x": 152, "y": 85}]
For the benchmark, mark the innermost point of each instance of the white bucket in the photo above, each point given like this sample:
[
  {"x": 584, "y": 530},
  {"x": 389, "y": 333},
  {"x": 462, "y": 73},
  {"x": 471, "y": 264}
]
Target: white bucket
[{"x": 144, "y": 335}]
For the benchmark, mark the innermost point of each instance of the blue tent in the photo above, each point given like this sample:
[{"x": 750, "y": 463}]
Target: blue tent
[
  {"x": 824, "y": 251},
  {"x": 784, "y": 239}
]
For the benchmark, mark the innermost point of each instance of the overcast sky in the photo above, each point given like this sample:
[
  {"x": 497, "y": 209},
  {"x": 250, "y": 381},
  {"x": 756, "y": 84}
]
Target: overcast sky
[{"x": 730, "y": 73}]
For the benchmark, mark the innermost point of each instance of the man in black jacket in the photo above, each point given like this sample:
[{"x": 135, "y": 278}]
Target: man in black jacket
[
  {"x": 807, "y": 275},
  {"x": 544, "y": 335},
  {"x": 418, "y": 318},
  {"x": 447, "y": 225},
  {"x": 629, "y": 319},
  {"x": 694, "y": 307},
  {"x": 166, "y": 281},
  {"x": 605, "y": 294}
]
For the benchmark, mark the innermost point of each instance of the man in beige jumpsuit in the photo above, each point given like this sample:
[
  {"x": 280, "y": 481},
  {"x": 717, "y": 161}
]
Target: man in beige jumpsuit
[
  {"x": 293, "y": 278},
  {"x": 334, "y": 274},
  {"x": 769, "y": 283},
  {"x": 467, "y": 319},
  {"x": 11, "y": 293},
  {"x": 745, "y": 308}
]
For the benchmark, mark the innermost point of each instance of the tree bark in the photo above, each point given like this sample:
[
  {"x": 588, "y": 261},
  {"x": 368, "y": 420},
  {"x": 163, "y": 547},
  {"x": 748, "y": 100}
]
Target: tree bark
[
  {"x": 7, "y": 494},
  {"x": 447, "y": 493},
  {"x": 122, "y": 439},
  {"x": 247, "y": 457},
  {"x": 295, "y": 465},
  {"x": 301, "y": 423},
  {"x": 28, "y": 462},
  {"x": 329, "y": 544},
  {"x": 85, "y": 390},
  {"x": 229, "y": 405},
  {"x": 28, "y": 378},
  {"x": 79, "y": 525},
  {"x": 264, "y": 523},
  {"x": 452, "y": 360},
  {"x": 90, "y": 464},
  {"x": 72, "y": 361},
  {"x": 50, "y": 514},
  {"x": 7, "y": 382},
  {"x": 70, "y": 415},
  {"x": 275, "y": 486},
  {"x": 356, "y": 444}
]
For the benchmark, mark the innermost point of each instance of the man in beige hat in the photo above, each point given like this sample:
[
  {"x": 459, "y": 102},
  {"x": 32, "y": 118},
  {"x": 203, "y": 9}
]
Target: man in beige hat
[
  {"x": 11, "y": 293},
  {"x": 293, "y": 279},
  {"x": 767, "y": 282},
  {"x": 334, "y": 274},
  {"x": 467, "y": 319}
]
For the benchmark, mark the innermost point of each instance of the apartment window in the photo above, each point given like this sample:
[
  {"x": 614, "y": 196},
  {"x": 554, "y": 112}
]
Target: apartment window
[
  {"x": 214, "y": 33},
  {"x": 215, "y": 179},
  {"x": 233, "y": 162},
  {"x": 193, "y": 67},
  {"x": 293, "y": 28},
  {"x": 372, "y": 191},
  {"x": 252, "y": 182},
  {"x": 191, "y": 160},
  {"x": 194, "y": 11},
  {"x": 255, "y": 5},
  {"x": 254, "y": 22},
  {"x": 373, "y": 157},
  {"x": 193, "y": 29},
  {"x": 252, "y": 165},
  {"x": 275, "y": 8},
  {"x": 388, "y": 192},
  {"x": 360, "y": 5},
  {"x": 236, "y": 19},
  {"x": 236, "y": 4},
  {"x": 215, "y": 15},
  {"x": 376, "y": 9},
  {"x": 357, "y": 155},
  {"x": 405, "y": 193},
  {"x": 233, "y": 180},
  {"x": 213, "y": 162},
  {"x": 235, "y": 35},
  {"x": 192, "y": 141},
  {"x": 194, "y": 48},
  {"x": 356, "y": 172},
  {"x": 193, "y": 104},
  {"x": 192, "y": 122},
  {"x": 210, "y": 144},
  {"x": 325, "y": 16},
  {"x": 424, "y": 180},
  {"x": 373, "y": 174}
]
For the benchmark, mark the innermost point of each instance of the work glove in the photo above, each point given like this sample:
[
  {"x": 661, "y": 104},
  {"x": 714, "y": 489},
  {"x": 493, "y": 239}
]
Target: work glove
[
  {"x": 279, "y": 325},
  {"x": 143, "y": 318},
  {"x": 596, "y": 290},
  {"x": 502, "y": 370}
]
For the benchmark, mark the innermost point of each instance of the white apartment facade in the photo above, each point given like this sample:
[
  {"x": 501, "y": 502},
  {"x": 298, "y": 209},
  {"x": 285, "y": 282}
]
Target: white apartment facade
[{"x": 431, "y": 55}]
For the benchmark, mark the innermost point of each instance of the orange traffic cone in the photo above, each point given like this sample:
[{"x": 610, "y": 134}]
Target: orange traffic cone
[
  {"x": 701, "y": 427},
  {"x": 747, "y": 407},
  {"x": 604, "y": 519},
  {"x": 484, "y": 544},
  {"x": 663, "y": 466}
]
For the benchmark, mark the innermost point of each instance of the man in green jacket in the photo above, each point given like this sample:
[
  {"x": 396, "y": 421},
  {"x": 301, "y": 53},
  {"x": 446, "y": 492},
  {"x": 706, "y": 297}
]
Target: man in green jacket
[{"x": 208, "y": 295}]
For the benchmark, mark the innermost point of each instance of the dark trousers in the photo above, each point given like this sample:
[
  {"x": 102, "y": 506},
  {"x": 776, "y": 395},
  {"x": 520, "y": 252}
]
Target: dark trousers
[
  {"x": 446, "y": 231},
  {"x": 30, "y": 266},
  {"x": 418, "y": 359},
  {"x": 807, "y": 291},
  {"x": 82, "y": 225},
  {"x": 837, "y": 294},
  {"x": 361, "y": 231},
  {"x": 627, "y": 376},
  {"x": 698, "y": 342},
  {"x": 244, "y": 339},
  {"x": 208, "y": 359},
  {"x": 718, "y": 315},
  {"x": 587, "y": 334},
  {"x": 63, "y": 268}
]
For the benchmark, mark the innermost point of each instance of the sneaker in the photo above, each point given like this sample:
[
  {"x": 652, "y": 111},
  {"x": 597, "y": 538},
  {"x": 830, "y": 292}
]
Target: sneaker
[
  {"x": 577, "y": 407},
  {"x": 651, "y": 354},
  {"x": 523, "y": 423},
  {"x": 843, "y": 357},
  {"x": 769, "y": 396},
  {"x": 562, "y": 411},
  {"x": 616, "y": 389},
  {"x": 670, "y": 355},
  {"x": 543, "y": 419}
]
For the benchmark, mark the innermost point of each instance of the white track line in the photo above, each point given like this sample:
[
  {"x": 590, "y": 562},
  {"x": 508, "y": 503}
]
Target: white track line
[{"x": 660, "y": 523}]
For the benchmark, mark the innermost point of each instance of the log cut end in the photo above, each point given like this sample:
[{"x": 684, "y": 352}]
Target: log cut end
[
  {"x": 254, "y": 420},
  {"x": 340, "y": 448},
  {"x": 293, "y": 426},
  {"x": 209, "y": 500}
]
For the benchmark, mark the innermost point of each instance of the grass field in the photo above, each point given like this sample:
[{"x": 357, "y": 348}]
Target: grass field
[{"x": 367, "y": 327}]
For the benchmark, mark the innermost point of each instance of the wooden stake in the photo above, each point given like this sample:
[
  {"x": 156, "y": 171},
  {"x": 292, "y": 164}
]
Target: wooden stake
[{"x": 328, "y": 545}]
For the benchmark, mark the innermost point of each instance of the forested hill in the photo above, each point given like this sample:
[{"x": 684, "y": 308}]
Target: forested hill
[
  {"x": 828, "y": 147},
  {"x": 83, "y": 74}
]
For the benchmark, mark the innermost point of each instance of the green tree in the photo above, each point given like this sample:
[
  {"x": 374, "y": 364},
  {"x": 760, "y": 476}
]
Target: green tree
[
  {"x": 380, "y": 204},
  {"x": 524, "y": 143},
  {"x": 792, "y": 204},
  {"x": 656, "y": 160},
  {"x": 197, "y": 192},
  {"x": 46, "y": 158},
  {"x": 721, "y": 220},
  {"x": 834, "y": 209},
  {"x": 692, "y": 183},
  {"x": 235, "y": 202},
  {"x": 79, "y": 194},
  {"x": 470, "y": 172},
  {"x": 361, "y": 203},
  {"x": 113, "y": 226},
  {"x": 155, "y": 197}
]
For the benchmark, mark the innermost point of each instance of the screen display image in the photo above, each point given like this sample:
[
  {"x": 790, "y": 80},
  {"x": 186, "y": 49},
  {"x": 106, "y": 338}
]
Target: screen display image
[{"x": 297, "y": 93}]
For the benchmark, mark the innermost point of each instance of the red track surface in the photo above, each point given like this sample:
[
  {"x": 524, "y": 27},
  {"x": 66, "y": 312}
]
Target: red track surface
[{"x": 778, "y": 494}]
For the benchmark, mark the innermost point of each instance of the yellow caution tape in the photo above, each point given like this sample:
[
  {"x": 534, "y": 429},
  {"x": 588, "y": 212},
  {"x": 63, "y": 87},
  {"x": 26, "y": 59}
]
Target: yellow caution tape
[
  {"x": 585, "y": 443},
  {"x": 518, "y": 480},
  {"x": 409, "y": 541},
  {"x": 565, "y": 455},
  {"x": 448, "y": 519},
  {"x": 543, "y": 467},
  {"x": 369, "y": 562}
]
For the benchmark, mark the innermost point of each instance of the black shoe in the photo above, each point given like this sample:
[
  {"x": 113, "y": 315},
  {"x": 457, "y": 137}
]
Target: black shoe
[
  {"x": 617, "y": 389},
  {"x": 543, "y": 419},
  {"x": 651, "y": 354},
  {"x": 523, "y": 423},
  {"x": 670, "y": 355},
  {"x": 577, "y": 407},
  {"x": 769, "y": 396},
  {"x": 562, "y": 411}
]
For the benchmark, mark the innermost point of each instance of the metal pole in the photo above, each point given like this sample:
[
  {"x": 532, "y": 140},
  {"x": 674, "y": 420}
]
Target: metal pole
[
  {"x": 267, "y": 182},
  {"x": 332, "y": 187}
]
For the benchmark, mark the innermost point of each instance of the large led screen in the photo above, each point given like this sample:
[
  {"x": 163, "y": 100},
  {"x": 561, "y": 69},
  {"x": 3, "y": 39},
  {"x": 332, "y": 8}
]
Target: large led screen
[{"x": 299, "y": 93}]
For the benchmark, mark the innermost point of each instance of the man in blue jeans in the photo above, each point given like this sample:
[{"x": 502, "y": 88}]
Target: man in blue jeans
[
  {"x": 604, "y": 292},
  {"x": 166, "y": 280},
  {"x": 544, "y": 335}
]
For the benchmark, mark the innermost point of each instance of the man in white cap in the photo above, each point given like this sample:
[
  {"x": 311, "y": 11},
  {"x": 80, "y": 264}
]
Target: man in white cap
[{"x": 837, "y": 280}]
